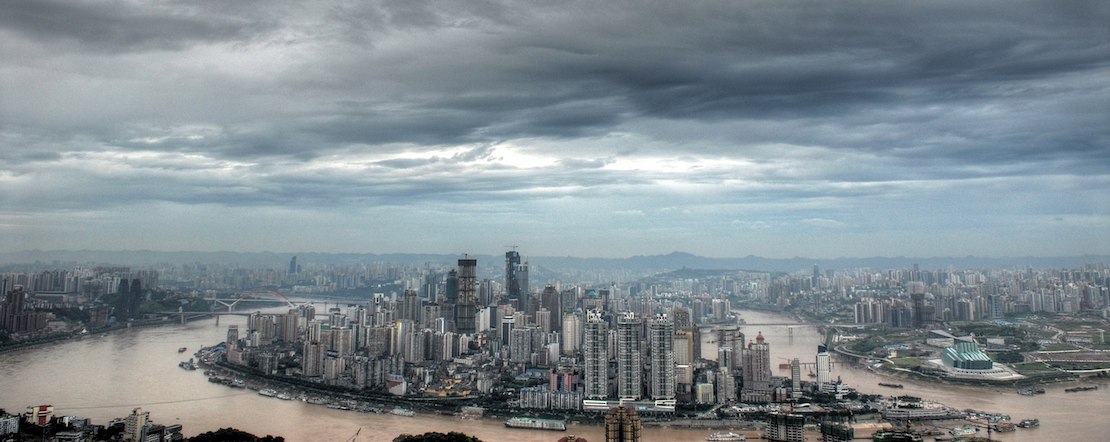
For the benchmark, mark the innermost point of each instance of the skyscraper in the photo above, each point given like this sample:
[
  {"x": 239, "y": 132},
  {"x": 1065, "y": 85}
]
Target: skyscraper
[
  {"x": 824, "y": 373},
  {"x": 629, "y": 357},
  {"x": 622, "y": 424},
  {"x": 293, "y": 265},
  {"x": 512, "y": 261},
  {"x": 467, "y": 306},
  {"x": 662, "y": 358},
  {"x": 596, "y": 356},
  {"x": 757, "y": 371}
]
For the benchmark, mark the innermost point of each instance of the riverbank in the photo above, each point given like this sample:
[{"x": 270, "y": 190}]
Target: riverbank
[{"x": 76, "y": 336}]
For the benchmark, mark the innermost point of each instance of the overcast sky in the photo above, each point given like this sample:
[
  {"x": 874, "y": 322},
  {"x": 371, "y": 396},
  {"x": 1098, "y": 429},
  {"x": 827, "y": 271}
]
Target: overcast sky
[{"x": 607, "y": 128}]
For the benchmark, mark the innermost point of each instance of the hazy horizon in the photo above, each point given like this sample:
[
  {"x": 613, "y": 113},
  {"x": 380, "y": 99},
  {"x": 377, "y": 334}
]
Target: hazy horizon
[{"x": 724, "y": 129}]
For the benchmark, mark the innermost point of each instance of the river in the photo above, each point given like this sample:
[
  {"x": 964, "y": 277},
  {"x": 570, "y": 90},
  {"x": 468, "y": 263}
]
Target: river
[{"x": 103, "y": 377}]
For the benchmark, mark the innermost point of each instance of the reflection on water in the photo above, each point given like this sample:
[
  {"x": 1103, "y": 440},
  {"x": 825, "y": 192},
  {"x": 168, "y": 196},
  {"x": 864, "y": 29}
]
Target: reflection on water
[{"x": 105, "y": 376}]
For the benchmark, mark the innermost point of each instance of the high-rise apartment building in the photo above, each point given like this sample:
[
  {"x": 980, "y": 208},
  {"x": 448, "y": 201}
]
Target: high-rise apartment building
[
  {"x": 622, "y": 424},
  {"x": 629, "y": 357},
  {"x": 662, "y": 358},
  {"x": 572, "y": 337},
  {"x": 134, "y": 425},
  {"x": 595, "y": 354}
]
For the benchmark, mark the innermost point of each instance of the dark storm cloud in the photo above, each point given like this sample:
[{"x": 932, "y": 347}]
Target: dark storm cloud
[
  {"x": 121, "y": 27},
  {"x": 766, "y": 113}
]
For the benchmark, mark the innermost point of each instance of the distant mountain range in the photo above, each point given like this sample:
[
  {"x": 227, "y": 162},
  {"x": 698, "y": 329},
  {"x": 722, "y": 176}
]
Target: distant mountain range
[{"x": 554, "y": 264}]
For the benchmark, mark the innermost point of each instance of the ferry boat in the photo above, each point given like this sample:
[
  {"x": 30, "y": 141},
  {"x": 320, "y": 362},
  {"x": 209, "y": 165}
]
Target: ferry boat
[
  {"x": 1086, "y": 388},
  {"x": 268, "y": 392},
  {"x": 1029, "y": 423},
  {"x": 403, "y": 412},
  {"x": 885, "y": 384},
  {"x": 536, "y": 424},
  {"x": 726, "y": 437}
]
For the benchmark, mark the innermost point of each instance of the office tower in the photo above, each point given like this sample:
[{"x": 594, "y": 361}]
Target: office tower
[
  {"x": 622, "y": 424},
  {"x": 527, "y": 304},
  {"x": 508, "y": 322},
  {"x": 595, "y": 353},
  {"x": 467, "y": 307},
  {"x": 824, "y": 373},
  {"x": 551, "y": 300},
  {"x": 512, "y": 262},
  {"x": 662, "y": 358},
  {"x": 757, "y": 371},
  {"x": 451, "y": 287},
  {"x": 629, "y": 357},
  {"x": 293, "y": 265}
]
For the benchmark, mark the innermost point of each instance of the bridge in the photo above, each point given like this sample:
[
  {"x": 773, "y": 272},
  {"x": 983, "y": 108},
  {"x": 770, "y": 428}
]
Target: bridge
[{"x": 266, "y": 296}]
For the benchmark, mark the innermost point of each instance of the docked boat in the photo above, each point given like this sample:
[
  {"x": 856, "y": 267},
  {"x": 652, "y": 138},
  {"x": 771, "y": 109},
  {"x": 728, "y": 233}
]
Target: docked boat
[
  {"x": 284, "y": 396},
  {"x": 885, "y": 384},
  {"x": 1031, "y": 391},
  {"x": 965, "y": 430},
  {"x": 726, "y": 437},
  {"x": 238, "y": 383},
  {"x": 1029, "y": 423},
  {"x": 268, "y": 392},
  {"x": 403, "y": 412},
  {"x": 1004, "y": 427},
  {"x": 1084, "y": 388},
  {"x": 536, "y": 424},
  {"x": 187, "y": 365}
]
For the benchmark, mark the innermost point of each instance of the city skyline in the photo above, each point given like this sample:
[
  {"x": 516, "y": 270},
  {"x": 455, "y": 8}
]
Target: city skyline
[{"x": 723, "y": 129}]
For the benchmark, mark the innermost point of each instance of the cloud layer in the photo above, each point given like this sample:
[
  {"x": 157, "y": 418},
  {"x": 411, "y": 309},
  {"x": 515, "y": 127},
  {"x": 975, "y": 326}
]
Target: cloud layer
[{"x": 569, "y": 128}]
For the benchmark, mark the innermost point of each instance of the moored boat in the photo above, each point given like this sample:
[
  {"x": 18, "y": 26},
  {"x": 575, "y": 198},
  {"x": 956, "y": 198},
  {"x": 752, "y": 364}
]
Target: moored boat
[
  {"x": 886, "y": 384},
  {"x": 268, "y": 392},
  {"x": 536, "y": 424},
  {"x": 1085, "y": 388},
  {"x": 403, "y": 412},
  {"x": 1029, "y": 423},
  {"x": 730, "y": 436}
]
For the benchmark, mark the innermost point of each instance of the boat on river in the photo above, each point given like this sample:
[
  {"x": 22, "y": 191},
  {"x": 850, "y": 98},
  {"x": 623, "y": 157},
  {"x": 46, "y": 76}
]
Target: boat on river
[
  {"x": 403, "y": 412},
  {"x": 886, "y": 384},
  {"x": 1084, "y": 388},
  {"x": 730, "y": 436},
  {"x": 965, "y": 430},
  {"x": 181, "y": 350},
  {"x": 1029, "y": 423},
  {"x": 536, "y": 424}
]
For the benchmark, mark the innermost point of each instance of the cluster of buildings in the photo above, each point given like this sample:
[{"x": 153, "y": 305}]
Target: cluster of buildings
[
  {"x": 40, "y": 420},
  {"x": 587, "y": 348}
]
